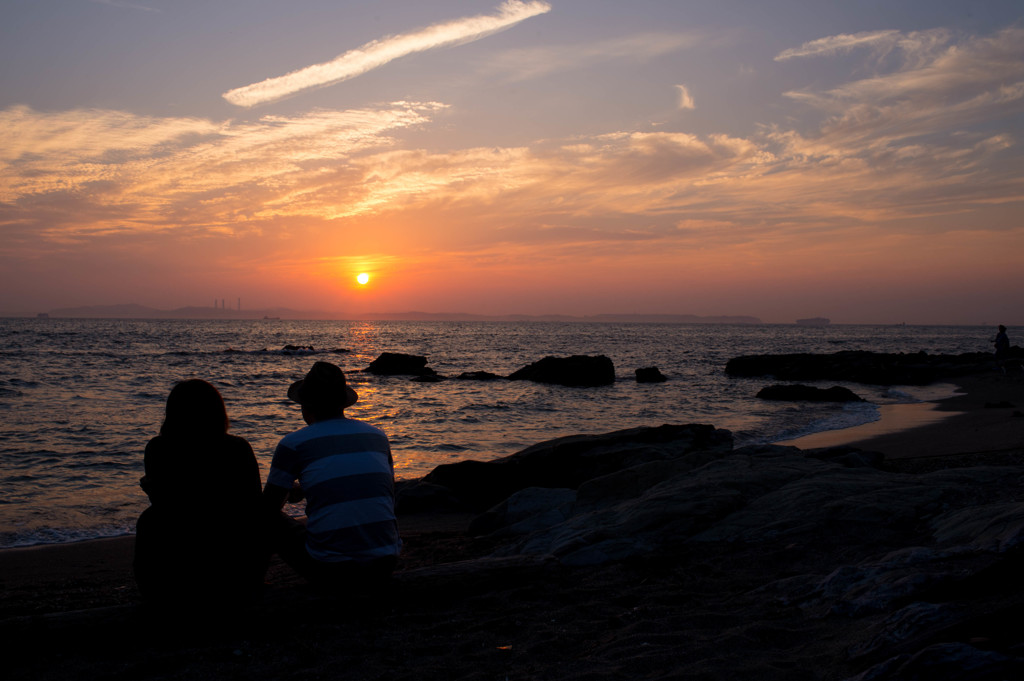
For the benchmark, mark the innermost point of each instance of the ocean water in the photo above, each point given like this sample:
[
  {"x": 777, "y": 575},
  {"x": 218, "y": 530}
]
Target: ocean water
[{"x": 79, "y": 398}]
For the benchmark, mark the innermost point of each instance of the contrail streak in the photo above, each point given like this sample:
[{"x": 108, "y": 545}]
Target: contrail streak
[{"x": 379, "y": 52}]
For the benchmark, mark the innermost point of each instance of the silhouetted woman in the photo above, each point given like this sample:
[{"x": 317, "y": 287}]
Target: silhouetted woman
[{"x": 202, "y": 540}]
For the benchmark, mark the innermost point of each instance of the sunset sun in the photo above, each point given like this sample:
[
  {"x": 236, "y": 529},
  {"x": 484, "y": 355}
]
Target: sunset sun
[{"x": 362, "y": 278}]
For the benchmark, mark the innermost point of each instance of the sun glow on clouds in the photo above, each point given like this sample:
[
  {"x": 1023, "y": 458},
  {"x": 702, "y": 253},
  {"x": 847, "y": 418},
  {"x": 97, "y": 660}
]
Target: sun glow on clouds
[
  {"x": 898, "y": 156},
  {"x": 377, "y": 53},
  {"x": 169, "y": 171}
]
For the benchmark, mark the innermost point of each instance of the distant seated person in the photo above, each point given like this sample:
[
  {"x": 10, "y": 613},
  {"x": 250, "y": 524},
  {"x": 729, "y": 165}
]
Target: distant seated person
[
  {"x": 203, "y": 540},
  {"x": 344, "y": 467},
  {"x": 1002, "y": 343}
]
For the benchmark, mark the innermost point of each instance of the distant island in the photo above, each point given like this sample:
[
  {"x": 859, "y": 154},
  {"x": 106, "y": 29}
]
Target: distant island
[
  {"x": 134, "y": 311},
  {"x": 814, "y": 321}
]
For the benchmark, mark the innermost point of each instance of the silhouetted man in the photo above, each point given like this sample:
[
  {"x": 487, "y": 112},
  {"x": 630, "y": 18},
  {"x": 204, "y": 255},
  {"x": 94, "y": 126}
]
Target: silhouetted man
[{"x": 346, "y": 472}]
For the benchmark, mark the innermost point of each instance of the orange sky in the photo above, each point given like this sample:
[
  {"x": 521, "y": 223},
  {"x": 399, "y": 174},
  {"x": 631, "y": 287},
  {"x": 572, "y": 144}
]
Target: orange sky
[{"x": 522, "y": 157}]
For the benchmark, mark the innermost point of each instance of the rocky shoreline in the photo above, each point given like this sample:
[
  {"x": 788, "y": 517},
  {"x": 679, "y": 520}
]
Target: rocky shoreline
[{"x": 646, "y": 553}]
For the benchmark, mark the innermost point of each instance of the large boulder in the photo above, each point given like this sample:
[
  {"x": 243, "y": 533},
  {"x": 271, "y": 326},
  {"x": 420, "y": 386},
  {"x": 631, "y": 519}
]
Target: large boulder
[
  {"x": 578, "y": 370},
  {"x": 568, "y": 462},
  {"x": 905, "y": 534},
  {"x": 807, "y": 393},
  {"x": 397, "y": 363},
  {"x": 878, "y": 368}
]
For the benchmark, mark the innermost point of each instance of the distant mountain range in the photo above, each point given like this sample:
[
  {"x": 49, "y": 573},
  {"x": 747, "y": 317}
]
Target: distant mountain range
[{"x": 133, "y": 311}]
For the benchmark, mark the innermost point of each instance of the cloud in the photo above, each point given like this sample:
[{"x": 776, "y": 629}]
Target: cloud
[
  {"x": 379, "y": 52},
  {"x": 126, "y": 5},
  {"x": 840, "y": 44},
  {"x": 76, "y": 171},
  {"x": 936, "y": 88},
  {"x": 900, "y": 152},
  {"x": 527, "y": 63},
  {"x": 685, "y": 98}
]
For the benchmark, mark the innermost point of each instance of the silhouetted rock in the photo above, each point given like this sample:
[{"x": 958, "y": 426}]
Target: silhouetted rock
[
  {"x": 396, "y": 363},
  {"x": 650, "y": 375},
  {"x": 416, "y": 496},
  {"x": 570, "y": 461},
  {"x": 859, "y": 366},
  {"x": 429, "y": 378},
  {"x": 578, "y": 370},
  {"x": 806, "y": 393},
  {"x": 478, "y": 376}
]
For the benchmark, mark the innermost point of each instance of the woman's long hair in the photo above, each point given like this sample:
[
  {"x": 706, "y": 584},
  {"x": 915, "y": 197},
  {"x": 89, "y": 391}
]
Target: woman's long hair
[{"x": 194, "y": 409}]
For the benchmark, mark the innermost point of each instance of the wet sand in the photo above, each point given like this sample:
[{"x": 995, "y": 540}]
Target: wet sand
[
  {"x": 970, "y": 422},
  {"x": 693, "y": 614}
]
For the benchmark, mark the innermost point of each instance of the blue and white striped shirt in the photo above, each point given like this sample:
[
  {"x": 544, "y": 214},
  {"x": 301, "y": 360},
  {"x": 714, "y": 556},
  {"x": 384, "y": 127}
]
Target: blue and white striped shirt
[{"x": 345, "y": 469}]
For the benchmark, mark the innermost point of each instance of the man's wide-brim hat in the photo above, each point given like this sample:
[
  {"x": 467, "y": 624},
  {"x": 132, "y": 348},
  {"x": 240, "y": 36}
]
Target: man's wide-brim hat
[{"x": 324, "y": 385}]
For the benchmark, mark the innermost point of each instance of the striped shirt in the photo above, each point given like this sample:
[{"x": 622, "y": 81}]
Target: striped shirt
[{"x": 345, "y": 469}]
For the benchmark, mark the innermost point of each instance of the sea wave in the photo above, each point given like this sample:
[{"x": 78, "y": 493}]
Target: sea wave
[
  {"x": 62, "y": 535},
  {"x": 852, "y": 414}
]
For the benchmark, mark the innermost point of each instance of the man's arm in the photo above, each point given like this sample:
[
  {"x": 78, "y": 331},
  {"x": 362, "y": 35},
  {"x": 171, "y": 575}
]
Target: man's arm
[{"x": 275, "y": 496}]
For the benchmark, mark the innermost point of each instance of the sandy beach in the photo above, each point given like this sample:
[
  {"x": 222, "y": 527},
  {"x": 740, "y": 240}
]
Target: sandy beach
[
  {"x": 690, "y": 611},
  {"x": 969, "y": 422}
]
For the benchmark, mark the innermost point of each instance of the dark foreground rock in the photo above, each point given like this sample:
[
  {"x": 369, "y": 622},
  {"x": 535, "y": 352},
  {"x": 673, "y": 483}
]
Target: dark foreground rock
[
  {"x": 926, "y": 566},
  {"x": 565, "y": 462},
  {"x": 876, "y": 368},
  {"x": 806, "y": 393},
  {"x": 576, "y": 371}
]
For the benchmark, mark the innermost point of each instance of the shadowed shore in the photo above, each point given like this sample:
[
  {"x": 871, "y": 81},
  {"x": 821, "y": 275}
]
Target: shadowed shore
[
  {"x": 969, "y": 422},
  {"x": 730, "y": 599}
]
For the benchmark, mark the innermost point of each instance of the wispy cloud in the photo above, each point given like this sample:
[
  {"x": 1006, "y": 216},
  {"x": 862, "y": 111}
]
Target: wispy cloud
[
  {"x": 377, "y": 53},
  {"x": 837, "y": 44},
  {"x": 685, "y": 98},
  {"x": 526, "y": 63},
  {"x": 122, "y": 4},
  {"x": 88, "y": 169},
  {"x": 939, "y": 87}
]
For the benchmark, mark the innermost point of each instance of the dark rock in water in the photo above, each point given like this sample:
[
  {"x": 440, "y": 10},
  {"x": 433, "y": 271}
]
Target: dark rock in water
[
  {"x": 1000, "y": 405},
  {"x": 858, "y": 366},
  {"x": 570, "y": 461},
  {"x": 650, "y": 375},
  {"x": 578, "y": 370},
  {"x": 298, "y": 349},
  {"x": 478, "y": 376},
  {"x": 339, "y": 351},
  {"x": 806, "y": 393},
  {"x": 396, "y": 363}
]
